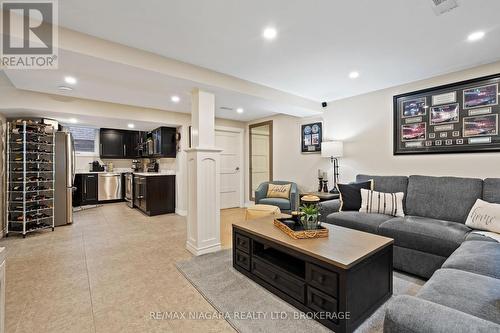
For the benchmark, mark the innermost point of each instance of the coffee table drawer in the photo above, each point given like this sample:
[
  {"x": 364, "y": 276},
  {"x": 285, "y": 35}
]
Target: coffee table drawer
[
  {"x": 243, "y": 243},
  {"x": 321, "y": 302},
  {"x": 323, "y": 279},
  {"x": 280, "y": 280},
  {"x": 242, "y": 260}
]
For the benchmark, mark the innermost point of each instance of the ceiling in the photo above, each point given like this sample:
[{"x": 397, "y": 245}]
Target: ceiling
[
  {"x": 108, "y": 81},
  {"x": 390, "y": 42},
  {"x": 86, "y": 120}
]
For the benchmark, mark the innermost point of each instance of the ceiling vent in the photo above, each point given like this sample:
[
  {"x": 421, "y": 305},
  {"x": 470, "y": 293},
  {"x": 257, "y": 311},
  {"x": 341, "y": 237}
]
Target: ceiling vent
[
  {"x": 443, "y": 6},
  {"x": 226, "y": 108}
]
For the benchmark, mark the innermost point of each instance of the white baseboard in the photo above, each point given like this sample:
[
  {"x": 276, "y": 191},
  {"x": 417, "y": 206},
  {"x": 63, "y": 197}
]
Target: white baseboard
[
  {"x": 181, "y": 212},
  {"x": 204, "y": 250}
]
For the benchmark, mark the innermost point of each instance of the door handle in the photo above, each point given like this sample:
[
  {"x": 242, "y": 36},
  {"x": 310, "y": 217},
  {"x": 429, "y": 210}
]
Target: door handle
[
  {"x": 124, "y": 151},
  {"x": 237, "y": 168}
]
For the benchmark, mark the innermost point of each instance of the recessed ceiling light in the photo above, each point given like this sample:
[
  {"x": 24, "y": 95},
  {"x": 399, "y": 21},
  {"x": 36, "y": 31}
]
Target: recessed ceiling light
[
  {"x": 130, "y": 125},
  {"x": 240, "y": 110},
  {"x": 70, "y": 80},
  {"x": 175, "y": 99},
  {"x": 269, "y": 33},
  {"x": 353, "y": 75},
  {"x": 73, "y": 120},
  {"x": 65, "y": 88},
  {"x": 475, "y": 36}
]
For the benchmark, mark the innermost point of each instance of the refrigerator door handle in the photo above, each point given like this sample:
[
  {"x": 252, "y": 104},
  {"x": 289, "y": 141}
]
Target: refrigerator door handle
[
  {"x": 69, "y": 203},
  {"x": 73, "y": 162}
]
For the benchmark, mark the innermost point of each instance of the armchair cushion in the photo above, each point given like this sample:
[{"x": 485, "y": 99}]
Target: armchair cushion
[
  {"x": 261, "y": 194},
  {"x": 283, "y": 204},
  {"x": 278, "y": 191}
]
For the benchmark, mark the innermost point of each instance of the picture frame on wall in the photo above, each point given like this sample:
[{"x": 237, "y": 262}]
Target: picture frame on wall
[
  {"x": 311, "y": 137},
  {"x": 462, "y": 118}
]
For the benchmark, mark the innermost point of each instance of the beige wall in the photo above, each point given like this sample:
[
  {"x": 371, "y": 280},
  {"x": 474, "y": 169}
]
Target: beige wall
[{"x": 364, "y": 123}]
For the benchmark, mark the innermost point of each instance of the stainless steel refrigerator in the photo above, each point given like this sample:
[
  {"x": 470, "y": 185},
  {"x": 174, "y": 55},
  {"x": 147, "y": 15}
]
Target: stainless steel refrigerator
[{"x": 64, "y": 179}]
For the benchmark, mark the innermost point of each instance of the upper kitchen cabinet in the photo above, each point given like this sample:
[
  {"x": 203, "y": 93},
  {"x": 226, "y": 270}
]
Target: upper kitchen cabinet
[
  {"x": 112, "y": 143},
  {"x": 133, "y": 141},
  {"x": 119, "y": 143},
  {"x": 165, "y": 143},
  {"x": 115, "y": 144}
]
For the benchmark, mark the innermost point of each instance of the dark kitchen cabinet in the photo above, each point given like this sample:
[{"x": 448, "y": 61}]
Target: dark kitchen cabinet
[
  {"x": 117, "y": 144},
  {"x": 112, "y": 143},
  {"x": 86, "y": 189},
  {"x": 165, "y": 143},
  {"x": 154, "y": 195},
  {"x": 132, "y": 141}
]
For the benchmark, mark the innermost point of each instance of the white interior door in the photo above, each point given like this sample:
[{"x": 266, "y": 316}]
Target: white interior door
[{"x": 230, "y": 170}]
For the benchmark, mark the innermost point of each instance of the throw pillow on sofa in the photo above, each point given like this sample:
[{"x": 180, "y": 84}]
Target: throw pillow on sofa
[
  {"x": 278, "y": 191},
  {"x": 484, "y": 216},
  {"x": 350, "y": 195},
  {"x": 374, "y": 202}
]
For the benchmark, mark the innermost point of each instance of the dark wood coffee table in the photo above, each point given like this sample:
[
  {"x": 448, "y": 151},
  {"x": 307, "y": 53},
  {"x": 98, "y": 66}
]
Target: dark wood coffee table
[{"x": 340, "y": 280}]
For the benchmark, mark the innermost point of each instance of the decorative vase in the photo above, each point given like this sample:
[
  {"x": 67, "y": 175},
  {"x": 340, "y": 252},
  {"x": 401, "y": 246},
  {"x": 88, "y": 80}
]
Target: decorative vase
[{"x": 310, "y": 222}]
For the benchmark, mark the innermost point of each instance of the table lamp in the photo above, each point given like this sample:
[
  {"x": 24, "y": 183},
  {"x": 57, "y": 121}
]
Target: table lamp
[{"x": 333, "y": 150}]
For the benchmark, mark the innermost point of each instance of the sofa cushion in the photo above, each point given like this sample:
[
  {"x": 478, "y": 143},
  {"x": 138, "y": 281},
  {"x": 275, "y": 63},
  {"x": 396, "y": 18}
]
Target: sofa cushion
[
  {"x": 476, "y": 257},
  {"x": 491, "y": 190},
  {"x": 283, "y": 204},
  {"x": 468, "y": 292},
  {"x": 477, "y": 237},
  {"x": 389, "y": 184},
  {"x": 359, "y": 221},
  {"x": 442, "y": 198},
  {"x": 425, "y": 234}
]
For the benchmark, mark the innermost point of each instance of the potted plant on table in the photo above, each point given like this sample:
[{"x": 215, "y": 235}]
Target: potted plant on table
[{"x": 310, "y": 216}]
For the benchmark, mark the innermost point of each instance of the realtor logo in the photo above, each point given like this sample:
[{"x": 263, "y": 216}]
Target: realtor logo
[{"x": 29, "y": 34}]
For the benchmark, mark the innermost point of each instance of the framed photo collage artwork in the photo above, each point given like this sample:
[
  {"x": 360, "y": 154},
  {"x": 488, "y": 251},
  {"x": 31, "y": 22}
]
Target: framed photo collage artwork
[{"x": 455, "y": 118}]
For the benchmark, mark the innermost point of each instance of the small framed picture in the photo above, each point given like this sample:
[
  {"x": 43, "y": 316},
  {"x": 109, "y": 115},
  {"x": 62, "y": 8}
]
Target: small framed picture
[
  {"x": 456, "y": 133},
  {"x": 449, "y": 142},
  {"x": 443, "y": 134},
  {"x": 460, "y": 141},
  {"x": 438, "y": 142},
  {"x": 481, "y": 125},
  {"x": 444, "y": 114},
  {"x": 428, "y": 143},
  {"x": 414, "y": 132},
  {"x": 480, "y": 96},
  {"x": 414, "y": 107},
  {"x": 432, "y": 135}
]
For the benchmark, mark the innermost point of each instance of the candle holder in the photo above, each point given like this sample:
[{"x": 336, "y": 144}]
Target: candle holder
[
  {"x": 320, "y": 187},
  {"x": 325, "y": 186}
]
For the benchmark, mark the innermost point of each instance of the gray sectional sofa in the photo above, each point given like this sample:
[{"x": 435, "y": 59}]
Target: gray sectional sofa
[{"x": 432, "y": 241}]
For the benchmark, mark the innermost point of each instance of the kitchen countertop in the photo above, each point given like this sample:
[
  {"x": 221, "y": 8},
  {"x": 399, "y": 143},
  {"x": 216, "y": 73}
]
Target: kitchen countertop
[
  {"x": 161, "y": 173},
  {"x": 146, "y": 174}
]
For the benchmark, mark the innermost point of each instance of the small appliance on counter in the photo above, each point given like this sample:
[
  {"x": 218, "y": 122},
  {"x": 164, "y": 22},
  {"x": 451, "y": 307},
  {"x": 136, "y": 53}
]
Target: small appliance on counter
[
  {"x": 153, "y": 165},
  {"x": 96, "y": 167},
  {"x": 137, "y": 166}
]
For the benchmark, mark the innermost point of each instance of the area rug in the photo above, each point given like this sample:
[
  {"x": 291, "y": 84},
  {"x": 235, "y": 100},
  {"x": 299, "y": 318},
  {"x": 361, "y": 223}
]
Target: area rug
[{"x": 250, "y": 308}]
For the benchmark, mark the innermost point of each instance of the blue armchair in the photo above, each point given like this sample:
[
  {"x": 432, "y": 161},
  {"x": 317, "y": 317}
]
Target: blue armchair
[{"x": 285, "y": 205}]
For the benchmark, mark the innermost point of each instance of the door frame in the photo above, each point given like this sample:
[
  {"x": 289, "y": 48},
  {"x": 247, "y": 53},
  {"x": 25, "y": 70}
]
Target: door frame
[
  {"x": 271, "y": 143},
  {"x": 241, "y": 133}
]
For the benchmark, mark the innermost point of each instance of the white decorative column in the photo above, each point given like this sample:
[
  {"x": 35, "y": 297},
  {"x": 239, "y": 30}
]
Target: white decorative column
[{"x": 203, "y": 219}]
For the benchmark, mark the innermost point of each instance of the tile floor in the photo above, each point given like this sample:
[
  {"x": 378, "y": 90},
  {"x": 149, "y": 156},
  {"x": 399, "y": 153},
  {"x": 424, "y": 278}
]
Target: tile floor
[{"x": 105, "y": 273}]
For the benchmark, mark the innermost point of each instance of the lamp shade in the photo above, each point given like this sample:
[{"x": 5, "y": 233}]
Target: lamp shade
[{"x": 332, "y": 149}]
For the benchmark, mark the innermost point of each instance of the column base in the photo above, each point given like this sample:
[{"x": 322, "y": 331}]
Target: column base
[{"x": 203, "y": 250}]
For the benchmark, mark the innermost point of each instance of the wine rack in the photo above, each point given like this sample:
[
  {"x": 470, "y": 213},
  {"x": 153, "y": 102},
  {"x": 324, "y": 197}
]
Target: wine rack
[{"x": 30, "y": 177}]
